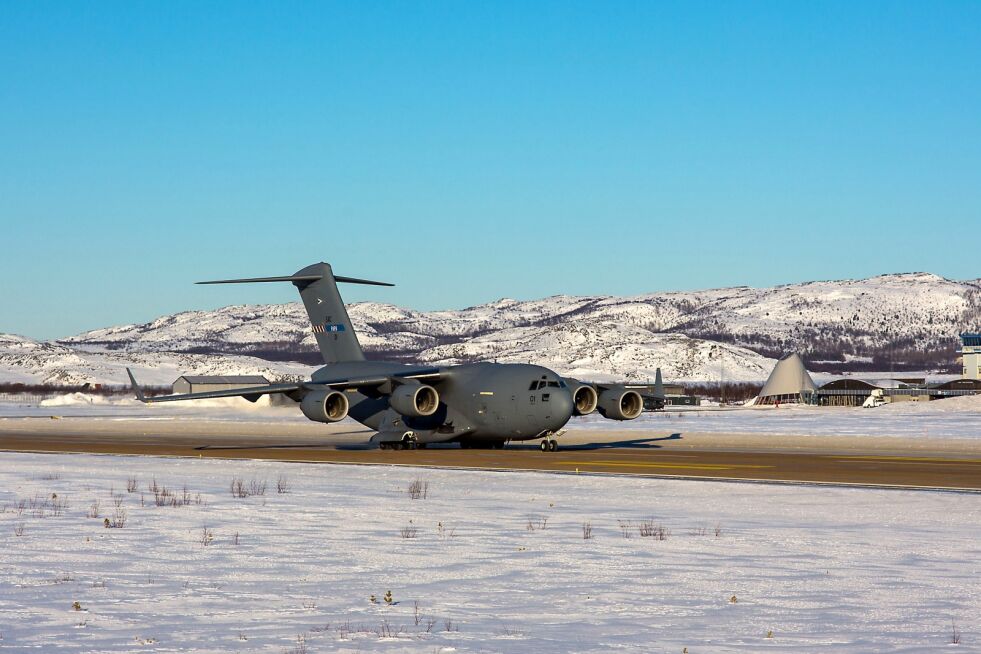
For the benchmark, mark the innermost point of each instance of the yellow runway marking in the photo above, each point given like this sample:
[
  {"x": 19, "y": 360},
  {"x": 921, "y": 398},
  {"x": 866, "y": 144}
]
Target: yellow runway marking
[
  {"x": 677, "y": 466},
  {"x": 901, "y": 459}
]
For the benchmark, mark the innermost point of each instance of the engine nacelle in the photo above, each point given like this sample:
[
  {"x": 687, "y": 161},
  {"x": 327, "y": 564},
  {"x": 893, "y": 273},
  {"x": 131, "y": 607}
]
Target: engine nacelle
[
  {"x": 618, "y": 403},
  {"x": 325, "y": 406},
  {"x": 584, "y": 399},
  {"x": 414, "y": 400}
]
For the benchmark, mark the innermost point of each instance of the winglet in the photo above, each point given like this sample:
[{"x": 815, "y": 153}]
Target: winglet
[{"x": 136, "y": 387}]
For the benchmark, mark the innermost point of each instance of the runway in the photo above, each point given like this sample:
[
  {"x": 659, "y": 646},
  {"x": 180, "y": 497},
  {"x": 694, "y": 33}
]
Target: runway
[{"x": 777, "y": 459}]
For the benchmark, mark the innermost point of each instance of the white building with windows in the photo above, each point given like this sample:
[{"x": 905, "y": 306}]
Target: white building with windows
[{"x": 971, "y": 354}]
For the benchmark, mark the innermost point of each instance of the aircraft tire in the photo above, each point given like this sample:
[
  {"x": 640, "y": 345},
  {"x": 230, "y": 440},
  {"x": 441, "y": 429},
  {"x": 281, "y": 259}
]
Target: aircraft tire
[
  {"x": 544, "y": 446},
  {"x": 553, "y": 446}
]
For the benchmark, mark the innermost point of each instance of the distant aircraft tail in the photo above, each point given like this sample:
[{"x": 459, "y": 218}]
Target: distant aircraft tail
[
  {"x": 331, "y": 325},
  {"x": 658, "y": 385}
]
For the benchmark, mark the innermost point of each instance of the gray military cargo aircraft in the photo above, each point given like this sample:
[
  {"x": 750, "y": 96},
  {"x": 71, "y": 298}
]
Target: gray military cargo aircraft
[{"x": 478, "y": 405}]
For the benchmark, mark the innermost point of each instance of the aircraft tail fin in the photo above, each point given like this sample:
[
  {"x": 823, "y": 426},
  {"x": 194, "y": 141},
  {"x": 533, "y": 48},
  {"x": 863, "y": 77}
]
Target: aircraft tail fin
[
  {"x": 658, "y": 385},
  {"x": 331, "y": 325}
]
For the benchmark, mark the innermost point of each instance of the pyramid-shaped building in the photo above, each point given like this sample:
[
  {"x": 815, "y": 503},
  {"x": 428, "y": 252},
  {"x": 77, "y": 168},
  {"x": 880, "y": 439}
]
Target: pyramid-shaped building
[{"x": 789, "y": 383}]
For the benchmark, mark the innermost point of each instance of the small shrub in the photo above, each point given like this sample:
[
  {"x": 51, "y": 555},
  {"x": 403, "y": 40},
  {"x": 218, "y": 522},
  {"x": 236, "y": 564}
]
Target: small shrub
[
  {"x": 955, "y": 635},
  {"x": 418, "y": 489},
  {"x": 718, "y": 530},
  {"x": 19, "y": 529},
  {"x": 587, "y": 530},
  {"x": 241, "y": 488},
  {"x": 388, "y": 597},
  {"x": 444, "y": 532},
  {"x": 283, "y": 485},
  {"x": 300, "y": 648},
  {"x": 536, "y": 522},
  {"x": 131, "y": 483},
  {"x": 409, "y": 531},
  {"x": 650, "y": 529},
  {"x": 625, "y": 527},
  {"x": 207, "y": 536},
  {"x": 118, "y": 518},
  {"x": 94, "y": 509}
]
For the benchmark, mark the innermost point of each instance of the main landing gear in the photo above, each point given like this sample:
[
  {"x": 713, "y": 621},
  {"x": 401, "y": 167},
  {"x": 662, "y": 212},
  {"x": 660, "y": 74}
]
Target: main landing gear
[{"x": 408, "y": 442}]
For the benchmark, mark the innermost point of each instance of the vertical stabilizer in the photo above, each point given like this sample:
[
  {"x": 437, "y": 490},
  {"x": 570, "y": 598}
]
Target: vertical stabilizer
[
  {"x": 658, "y": 385},
  {"x": 328, "y": 317}
]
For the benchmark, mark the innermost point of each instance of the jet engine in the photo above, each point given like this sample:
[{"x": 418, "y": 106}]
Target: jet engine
[
  {"x": 324, "y": 406},
  {"x": 584, "y": 399},
  {"x": 414, "y": 400},
  {"x": 618, "y": 403}
]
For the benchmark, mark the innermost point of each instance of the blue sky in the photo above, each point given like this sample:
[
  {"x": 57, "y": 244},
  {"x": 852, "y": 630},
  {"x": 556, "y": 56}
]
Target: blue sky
[{"x": 471, "y": 151}]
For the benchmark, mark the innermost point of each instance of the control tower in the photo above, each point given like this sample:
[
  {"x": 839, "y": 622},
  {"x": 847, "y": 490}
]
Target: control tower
[{"x": 971, "y": 353}]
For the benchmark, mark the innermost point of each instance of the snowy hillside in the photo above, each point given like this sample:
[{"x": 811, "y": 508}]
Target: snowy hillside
[
  {"x": 881, "y": 323},
  {"x": 31, "y": 362}
]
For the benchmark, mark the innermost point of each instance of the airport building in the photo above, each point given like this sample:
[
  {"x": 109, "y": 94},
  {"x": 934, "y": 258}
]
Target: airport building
[
  {"x": 205, "y": 383},
  {"x": 971, "y": 355},
  {"x": 789, "y": 383},
  {"x": 850, "y": 391}
]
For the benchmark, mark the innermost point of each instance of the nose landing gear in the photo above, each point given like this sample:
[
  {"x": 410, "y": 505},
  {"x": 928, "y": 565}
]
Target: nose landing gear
[{"x": 549, "y": 444}]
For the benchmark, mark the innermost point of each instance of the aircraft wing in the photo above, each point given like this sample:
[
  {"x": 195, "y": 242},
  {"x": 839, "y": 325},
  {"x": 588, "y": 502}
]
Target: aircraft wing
[{"x": 253, "y": 393}]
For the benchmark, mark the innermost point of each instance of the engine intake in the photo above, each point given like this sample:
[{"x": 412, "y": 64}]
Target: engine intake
[
  {"x": 325, "y": 406},
  {"x": 414, "y": 400},
  {"x": 618, "y": 403},
  {"x": 584, "y": 399}
]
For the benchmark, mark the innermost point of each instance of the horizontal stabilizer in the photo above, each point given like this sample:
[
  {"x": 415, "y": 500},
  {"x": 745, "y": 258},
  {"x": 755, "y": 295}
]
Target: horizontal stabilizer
[
  {"x": 296, "y": 278},
  {"x": 288, "y": 278}
]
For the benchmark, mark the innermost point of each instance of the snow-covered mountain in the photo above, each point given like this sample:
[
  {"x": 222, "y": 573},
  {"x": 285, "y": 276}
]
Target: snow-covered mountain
[{"x": 730, "y": 333}]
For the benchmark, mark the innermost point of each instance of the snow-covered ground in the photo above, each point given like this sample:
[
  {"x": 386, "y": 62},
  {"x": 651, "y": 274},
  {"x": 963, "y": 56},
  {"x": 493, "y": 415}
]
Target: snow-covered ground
[
  {"x": 497, "y": 562},
  {"x": 958, "y": 418}
]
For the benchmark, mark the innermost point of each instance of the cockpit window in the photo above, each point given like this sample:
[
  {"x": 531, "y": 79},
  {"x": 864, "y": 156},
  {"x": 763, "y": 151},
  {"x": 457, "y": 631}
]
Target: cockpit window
[
  {"x": 534, "y": 385},
  {"x": 553, "y": 384}
]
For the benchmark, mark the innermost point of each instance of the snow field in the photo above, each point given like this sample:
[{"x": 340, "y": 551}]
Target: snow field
[{"x": 496, "y": 562}]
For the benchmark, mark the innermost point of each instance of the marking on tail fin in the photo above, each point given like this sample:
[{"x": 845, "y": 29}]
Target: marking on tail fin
[{"x": 326, "y": 328}]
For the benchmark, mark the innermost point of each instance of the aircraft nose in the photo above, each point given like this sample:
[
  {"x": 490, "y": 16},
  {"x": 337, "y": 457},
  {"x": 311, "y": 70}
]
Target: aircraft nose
[{"x": 561, "y": 408}]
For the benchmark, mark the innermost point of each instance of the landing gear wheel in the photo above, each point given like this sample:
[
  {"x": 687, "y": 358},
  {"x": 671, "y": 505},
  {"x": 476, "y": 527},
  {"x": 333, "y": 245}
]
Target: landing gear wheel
[
  {"x": 397, "y": 445},
  {"x": 553, "y": 446},
  {"x": 383, "y": 446},
  {"x": 545, "y": 446}
]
